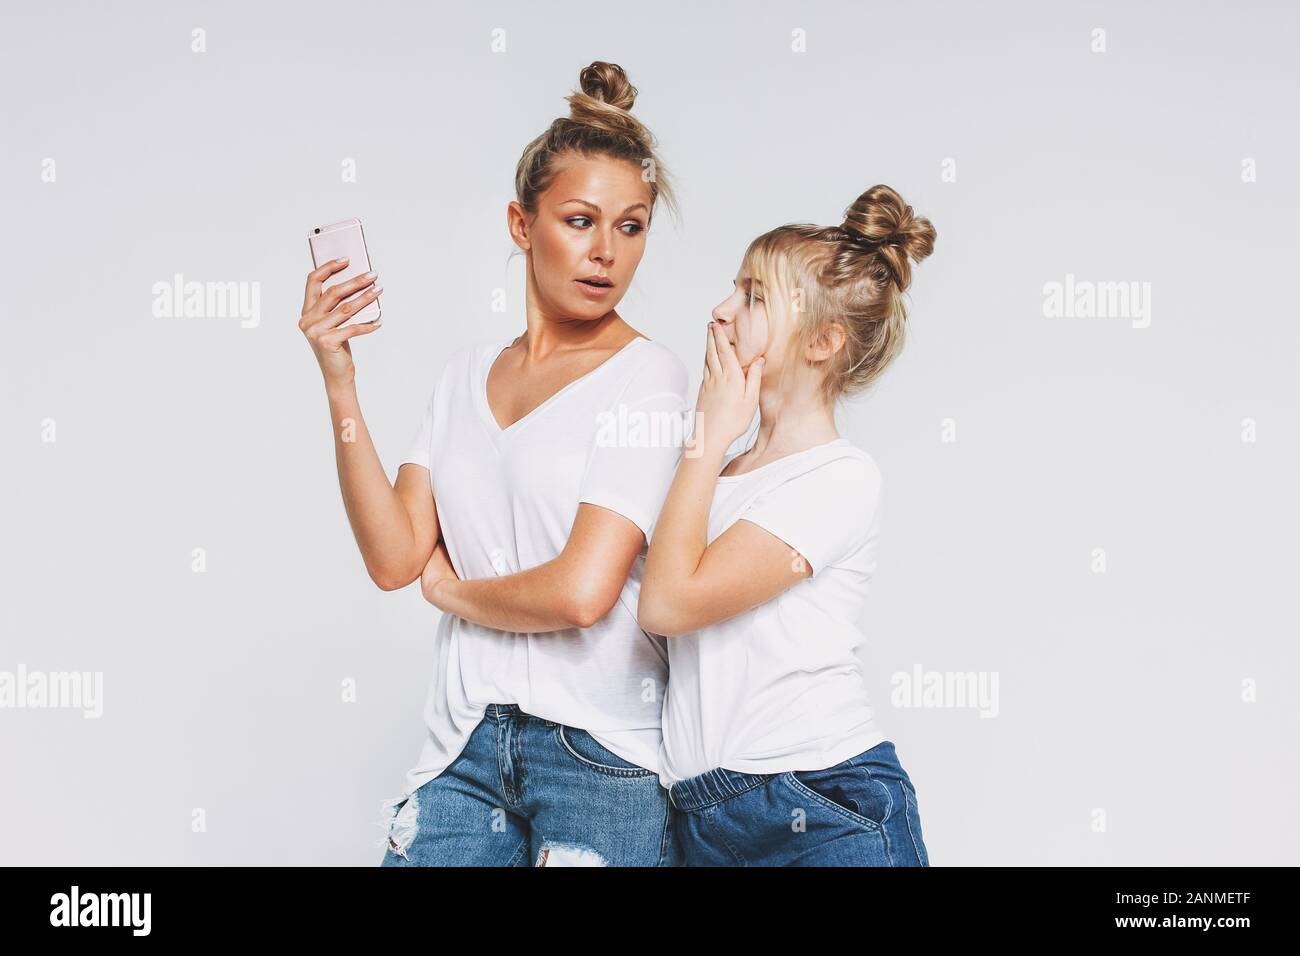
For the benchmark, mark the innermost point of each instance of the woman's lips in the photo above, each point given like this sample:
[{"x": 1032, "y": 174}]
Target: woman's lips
[{"x": 594, "y": 291}]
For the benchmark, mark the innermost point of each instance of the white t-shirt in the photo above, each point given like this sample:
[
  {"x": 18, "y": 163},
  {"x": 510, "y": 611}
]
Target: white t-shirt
[
  {"x": 779, "y": 687},
  {"x": 506, "y": 502}
]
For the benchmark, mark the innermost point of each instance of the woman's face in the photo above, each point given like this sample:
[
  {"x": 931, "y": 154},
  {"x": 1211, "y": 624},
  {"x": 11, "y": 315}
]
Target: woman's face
[
  {"x": 753, "y": 324},
  {"x": 590, "y": 225}
]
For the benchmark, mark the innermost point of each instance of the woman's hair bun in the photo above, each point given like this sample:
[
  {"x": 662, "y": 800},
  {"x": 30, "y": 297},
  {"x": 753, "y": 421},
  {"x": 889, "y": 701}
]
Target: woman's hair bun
[
  {"x": 605, "y": 101},
  {"x": 599, "y": 124},
  {"x": 608, "y": 83},
  {"x": 887, "y": 227}
]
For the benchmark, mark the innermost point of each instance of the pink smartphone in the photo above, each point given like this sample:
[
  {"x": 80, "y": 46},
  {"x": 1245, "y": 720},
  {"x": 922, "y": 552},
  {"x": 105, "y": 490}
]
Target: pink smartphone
[{"x": 336, "y": 241}]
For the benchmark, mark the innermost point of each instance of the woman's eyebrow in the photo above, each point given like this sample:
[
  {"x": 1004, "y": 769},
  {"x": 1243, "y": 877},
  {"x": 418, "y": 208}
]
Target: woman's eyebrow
[{"x": 592, "y": 205}]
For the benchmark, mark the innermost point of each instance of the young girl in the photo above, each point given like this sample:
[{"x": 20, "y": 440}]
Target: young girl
[
  {"x": 543, "y": 713},
  {"x": 759, "y": 564}
]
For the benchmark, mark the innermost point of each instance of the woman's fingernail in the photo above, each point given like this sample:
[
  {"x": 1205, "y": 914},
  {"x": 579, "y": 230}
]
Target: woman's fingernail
[
  {"x": 371, "y": 275},
  {"x": 341, "y": 259},
  {"x": 378, "y": 289}
]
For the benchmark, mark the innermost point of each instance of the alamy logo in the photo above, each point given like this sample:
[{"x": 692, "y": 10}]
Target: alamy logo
[
  {"x": 75, "y": 690},
  {"x": 625, "y": 427},
  {"x": 179, "y": 299},
  {"x": 946, "y": 689},
  {"x": 102, "y": 909},
  {"x": 1084, "y": 299}
]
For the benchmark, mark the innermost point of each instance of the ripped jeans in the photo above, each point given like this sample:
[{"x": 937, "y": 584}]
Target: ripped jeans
[{"x": 530, "y": 792}]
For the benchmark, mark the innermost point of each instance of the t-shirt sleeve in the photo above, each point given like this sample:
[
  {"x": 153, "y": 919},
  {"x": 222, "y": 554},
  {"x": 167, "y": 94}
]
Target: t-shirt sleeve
[
  {"x": 639, "y": 442},
  {"x": 825, "y": 513},
  {"x": 419, "y": 451}
]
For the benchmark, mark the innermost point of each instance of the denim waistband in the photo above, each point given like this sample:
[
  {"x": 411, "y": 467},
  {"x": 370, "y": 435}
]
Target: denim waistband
[
  {"x": 495, "y": 710},
  {"x": 713, "y": 786}
]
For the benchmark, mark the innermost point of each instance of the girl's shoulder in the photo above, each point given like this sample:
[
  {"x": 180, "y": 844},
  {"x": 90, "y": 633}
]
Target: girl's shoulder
[
  {"x": 853, "y": 458},
  {"x": 834, "y": 461},
  {"x": 842, "y": 467}
]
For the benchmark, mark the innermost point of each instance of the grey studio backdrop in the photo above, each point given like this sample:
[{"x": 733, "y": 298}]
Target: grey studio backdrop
[{"x": 1082, "y": 634}]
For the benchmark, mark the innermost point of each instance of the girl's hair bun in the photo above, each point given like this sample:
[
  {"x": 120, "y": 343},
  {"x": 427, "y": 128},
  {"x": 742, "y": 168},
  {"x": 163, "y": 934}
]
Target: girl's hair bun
[{"x": 887, "y": 227}]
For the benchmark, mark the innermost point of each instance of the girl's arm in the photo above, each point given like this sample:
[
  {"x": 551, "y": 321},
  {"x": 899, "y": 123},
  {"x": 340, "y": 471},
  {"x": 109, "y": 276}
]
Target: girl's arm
[
  {"x": 575, "y": 589},
  {"x": 689, "y": 584}
]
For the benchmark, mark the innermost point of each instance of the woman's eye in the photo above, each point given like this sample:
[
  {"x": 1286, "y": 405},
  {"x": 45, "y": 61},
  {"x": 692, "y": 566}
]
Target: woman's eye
[
  {"x": 635, "y": 227},
  {"x": 578, "y": 219}
]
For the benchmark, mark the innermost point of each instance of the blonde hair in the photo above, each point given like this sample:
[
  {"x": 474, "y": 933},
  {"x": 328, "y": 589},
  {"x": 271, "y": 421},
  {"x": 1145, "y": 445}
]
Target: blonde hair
[
  {"x": 599, "y": 124},
  {"x": 852, "y": 275}
]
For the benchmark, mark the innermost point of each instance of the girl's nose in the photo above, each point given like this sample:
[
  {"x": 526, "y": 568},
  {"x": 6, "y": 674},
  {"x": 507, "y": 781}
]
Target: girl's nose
[{"x": 725, "y": 311}]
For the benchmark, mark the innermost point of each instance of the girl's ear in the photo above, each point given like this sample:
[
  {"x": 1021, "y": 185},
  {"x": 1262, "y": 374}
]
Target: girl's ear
[
  {"x": 517, "y": 223},
  {"x": 827, "y": 342}
]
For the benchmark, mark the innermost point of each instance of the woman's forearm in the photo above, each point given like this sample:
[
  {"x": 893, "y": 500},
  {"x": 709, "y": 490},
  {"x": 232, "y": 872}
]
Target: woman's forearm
[
  {"x": 549, "y": 597},
  {"x": 393, "y": 549}
]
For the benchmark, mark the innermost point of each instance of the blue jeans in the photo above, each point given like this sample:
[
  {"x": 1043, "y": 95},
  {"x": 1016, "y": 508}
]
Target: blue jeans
[
  {"x": 527, "y": 791},
  {"x": 861, "y": 812}
]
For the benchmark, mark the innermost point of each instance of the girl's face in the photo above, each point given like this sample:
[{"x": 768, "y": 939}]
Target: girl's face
[
  {"x": 754, "y": 324},
  {"x": 590, "y": 225}
]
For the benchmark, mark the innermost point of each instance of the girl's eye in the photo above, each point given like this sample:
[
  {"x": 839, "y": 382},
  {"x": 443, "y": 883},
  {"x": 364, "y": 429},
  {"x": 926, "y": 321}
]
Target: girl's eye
[
  {"x": 636, "y": 228},
  {"x": 577, "y": 219}
]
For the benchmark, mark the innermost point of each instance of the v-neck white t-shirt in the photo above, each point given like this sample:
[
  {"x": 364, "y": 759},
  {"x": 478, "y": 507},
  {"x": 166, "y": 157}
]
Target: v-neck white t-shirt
[
  {"x": 506, "y": 500},
  {"x": 780, "y": 687}
]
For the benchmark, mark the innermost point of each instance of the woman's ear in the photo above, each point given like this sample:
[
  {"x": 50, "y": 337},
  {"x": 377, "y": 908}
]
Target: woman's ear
[
  {"x": 517, "y": 223},
  {"x": 828, "y": 341}
]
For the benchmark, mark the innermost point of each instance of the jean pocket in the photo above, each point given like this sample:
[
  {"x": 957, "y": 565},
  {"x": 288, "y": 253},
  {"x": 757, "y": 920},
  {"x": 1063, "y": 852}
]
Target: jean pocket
[
  {"x": 848, "y": 791},
  {"x": 586, "y": 750}
]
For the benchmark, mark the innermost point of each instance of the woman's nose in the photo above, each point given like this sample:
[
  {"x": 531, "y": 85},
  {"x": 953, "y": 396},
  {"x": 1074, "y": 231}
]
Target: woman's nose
[{"x": 602, "y": 248}]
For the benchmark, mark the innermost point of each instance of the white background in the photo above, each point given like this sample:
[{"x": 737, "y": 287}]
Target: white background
[{"x": 1119, "y": 692}]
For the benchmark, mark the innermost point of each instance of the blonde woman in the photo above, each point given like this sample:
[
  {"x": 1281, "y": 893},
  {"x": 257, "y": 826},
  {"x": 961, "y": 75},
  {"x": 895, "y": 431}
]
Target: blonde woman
[
  {"x": 543, "y": 714},
  {"x": 760, "y": 563}
]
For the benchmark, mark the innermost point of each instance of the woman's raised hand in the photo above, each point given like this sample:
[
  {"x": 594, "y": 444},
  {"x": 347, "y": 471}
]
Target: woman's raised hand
[{"x": 324, "y": 311}]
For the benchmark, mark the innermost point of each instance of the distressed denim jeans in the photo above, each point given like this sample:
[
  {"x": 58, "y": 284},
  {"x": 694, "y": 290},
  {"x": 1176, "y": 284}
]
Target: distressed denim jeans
[
  {"x": 531, "y": 792},
  {"x": 861, "y": 812}
]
